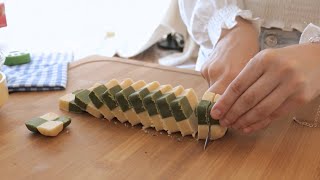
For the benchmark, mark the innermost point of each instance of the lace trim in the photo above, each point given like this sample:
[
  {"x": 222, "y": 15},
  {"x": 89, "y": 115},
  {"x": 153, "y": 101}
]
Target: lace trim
[{"x": 225, "y": 18}]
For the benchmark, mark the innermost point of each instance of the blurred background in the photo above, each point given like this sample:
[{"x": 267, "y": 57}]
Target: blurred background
[{"x": 88, "y": 27}]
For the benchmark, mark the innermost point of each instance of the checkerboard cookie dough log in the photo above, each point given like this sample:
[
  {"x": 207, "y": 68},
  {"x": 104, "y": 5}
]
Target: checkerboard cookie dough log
[
  {"x": 109, "y": 97},
  {"x": 122, "y": 99},
  {"x": 66, "y": 103},
  {"x": 163, "y": 106},
  {"x": 183, "y": 111},
  {"x": 217, "y": 131},
  {"x": 136, "y": 98},
  {"x": 202, "y": 114},
  {"x": 149, "y": 103},
  {"x": 96, "y": 98},
  {"x": 49, "y": 124},
  {"x": 83, "y": 101}
]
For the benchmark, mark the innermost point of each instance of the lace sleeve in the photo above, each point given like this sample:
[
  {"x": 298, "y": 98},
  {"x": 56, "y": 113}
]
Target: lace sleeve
[
  {"x": 205, "y": 19},
  {"x": 311, "y": 31}
]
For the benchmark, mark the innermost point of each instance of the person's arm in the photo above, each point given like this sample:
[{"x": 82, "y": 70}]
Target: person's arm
[
  {"x": 233, "y": 51},
  {"x": 273, "y": 83}
]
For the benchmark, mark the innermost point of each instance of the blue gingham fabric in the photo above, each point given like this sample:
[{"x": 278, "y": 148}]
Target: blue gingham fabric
[{"x": 47, "y": 71}]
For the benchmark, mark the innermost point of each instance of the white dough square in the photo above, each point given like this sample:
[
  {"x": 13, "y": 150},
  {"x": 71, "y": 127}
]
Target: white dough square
[
  {"x": 50, "y": 116},
  {"x": 50, "y": 128}
]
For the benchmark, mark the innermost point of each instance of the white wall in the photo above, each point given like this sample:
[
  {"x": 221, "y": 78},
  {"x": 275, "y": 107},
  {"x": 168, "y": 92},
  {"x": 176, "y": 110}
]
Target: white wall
[{"x": 78, "y": 25}]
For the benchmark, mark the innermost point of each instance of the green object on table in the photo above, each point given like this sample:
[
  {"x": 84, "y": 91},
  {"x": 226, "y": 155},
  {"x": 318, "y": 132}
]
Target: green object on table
[{"x": 16, "y": 58}]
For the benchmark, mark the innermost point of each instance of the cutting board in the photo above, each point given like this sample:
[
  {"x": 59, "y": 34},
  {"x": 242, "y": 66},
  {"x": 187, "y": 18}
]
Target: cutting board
[{"x": 93, "y": 148}]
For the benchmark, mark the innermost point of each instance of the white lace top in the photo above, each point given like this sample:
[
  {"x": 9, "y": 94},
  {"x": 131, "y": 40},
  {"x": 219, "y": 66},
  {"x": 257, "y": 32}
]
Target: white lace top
[{"x": 205, "y": 18}]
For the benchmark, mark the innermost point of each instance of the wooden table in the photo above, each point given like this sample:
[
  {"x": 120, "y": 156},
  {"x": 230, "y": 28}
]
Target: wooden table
[{"x": 98, "y": 149}]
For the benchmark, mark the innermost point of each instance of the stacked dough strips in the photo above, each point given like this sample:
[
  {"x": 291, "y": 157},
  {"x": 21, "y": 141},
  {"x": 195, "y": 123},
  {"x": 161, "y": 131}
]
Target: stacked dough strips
[{"x": 150, "y": 104}]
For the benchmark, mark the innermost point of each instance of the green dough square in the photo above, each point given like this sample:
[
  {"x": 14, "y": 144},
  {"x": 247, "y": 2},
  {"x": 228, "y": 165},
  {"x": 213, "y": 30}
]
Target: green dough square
[
  {"x": 82, "y": 99},
  {"x": 212, "y": 121},
  {"x": 202, "y": 112},
  {"x": 163, "y": 104},
  {"x": 95, "y": 100},
  {"x": 76, "y": 91},
  {"x": 181, "y": 108},
  {"x": 96, "y": 94},
  {"x": 109, "y": 97},
  {"x": 66, "y": 121},
  {"x": 100, "y": 90},
  {"x": 34, "y": 123},
  {"x": 74, "y": 108},
  {"x": 122, "y": 98},
  {"x": 135, "y": 100},
  {"x": 149, "y": 102}
]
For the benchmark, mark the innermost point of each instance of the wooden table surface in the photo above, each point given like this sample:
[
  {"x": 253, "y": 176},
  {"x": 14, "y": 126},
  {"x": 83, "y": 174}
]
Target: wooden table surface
[{"x": 98, "y": 149}]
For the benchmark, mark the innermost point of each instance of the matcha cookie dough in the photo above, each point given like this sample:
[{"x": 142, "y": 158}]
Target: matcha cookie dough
[
  {"x": 49, "y": 124},
  {"x": 83, "y": 101},
  {"x": 149, "y": 103},
  {"x": 163, "y": 106},
  {"x": 217, "y": 131},
  {"x": 204, "y": 118},
  {"x": 66, "y": 103},
  {"x": 125, "y": 106},
  {"x": 109, "y": 97},
  {"x": 153, "y": 105},
  {"x": 136, "y": 101},
  {"x": 202, "y": 114},
  {"x": 96, "y": 98},
  {"x": 183, "y": 111}
]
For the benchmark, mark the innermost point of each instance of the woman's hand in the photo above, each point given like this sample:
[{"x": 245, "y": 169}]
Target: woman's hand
[
  {"x": 273, "y": 83},
  {"x": 233, "y": 51}
]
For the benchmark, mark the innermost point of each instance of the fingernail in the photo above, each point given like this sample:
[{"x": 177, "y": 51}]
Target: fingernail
[{"x": 215, "y": 113}]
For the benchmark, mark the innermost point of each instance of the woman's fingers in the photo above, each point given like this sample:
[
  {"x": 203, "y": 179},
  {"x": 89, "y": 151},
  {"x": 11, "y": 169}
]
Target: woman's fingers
[
  {"x": 288, "y": 106},
  {"x": 258, "y": 125},
  {"x": 264, "y": 108},
  {"x": 218, "y": 87},
  {"x": 252, "y": 71},
  {"x": 204, "y": 70},
  {"x": 251, "y": 97}
]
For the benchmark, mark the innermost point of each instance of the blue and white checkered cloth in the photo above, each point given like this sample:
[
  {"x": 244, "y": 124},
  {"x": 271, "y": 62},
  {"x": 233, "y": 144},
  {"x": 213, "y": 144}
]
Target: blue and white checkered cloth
[{"x": 45, "y": 72}]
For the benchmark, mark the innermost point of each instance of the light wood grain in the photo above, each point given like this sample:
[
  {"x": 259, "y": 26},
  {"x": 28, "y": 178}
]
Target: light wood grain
[{"x": 98, "y": 149}]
